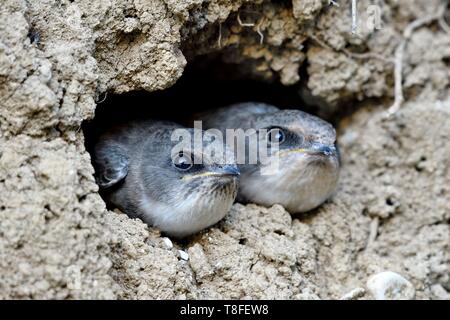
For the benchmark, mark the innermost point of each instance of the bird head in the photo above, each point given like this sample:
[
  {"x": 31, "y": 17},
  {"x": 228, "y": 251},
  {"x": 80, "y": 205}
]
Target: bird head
[
  {"x": 301, "y": 166},
  {"x": 181, "y": 168},
  {"x": 297, "y": 139}
]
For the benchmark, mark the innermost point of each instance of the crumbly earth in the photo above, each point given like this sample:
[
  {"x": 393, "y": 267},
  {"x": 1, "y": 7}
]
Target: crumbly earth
[{"x": 390, "y": 212}]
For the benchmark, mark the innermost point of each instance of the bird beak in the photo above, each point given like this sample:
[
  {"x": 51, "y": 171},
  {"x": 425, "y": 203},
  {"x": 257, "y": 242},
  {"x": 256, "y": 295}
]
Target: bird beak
[
  {"x": 315, "y": 149},
  {"x": 227, "y": 170},
  {"x": 326, "y": 150}
]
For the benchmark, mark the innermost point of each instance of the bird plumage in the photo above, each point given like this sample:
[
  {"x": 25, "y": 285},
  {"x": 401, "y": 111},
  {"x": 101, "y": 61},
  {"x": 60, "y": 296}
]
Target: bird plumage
[
  {"x": 309, "y": 161},
  {"x": 135, "y": 169}
]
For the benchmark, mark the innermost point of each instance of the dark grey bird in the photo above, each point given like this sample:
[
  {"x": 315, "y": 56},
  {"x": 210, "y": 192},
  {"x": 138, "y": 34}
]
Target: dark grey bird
[
  {"x": 308, "y": 160},
  {"x": 175, "y": 187}
]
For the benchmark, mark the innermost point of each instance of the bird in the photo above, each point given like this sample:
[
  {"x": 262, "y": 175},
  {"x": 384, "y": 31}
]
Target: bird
[
  {"x": 174, "y": 187},
  {"x": 306, "y": 150}
]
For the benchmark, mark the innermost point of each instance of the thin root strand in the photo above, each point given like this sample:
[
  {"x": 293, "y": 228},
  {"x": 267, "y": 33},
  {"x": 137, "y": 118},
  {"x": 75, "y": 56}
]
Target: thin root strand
[{"x": 400, "y": 52}]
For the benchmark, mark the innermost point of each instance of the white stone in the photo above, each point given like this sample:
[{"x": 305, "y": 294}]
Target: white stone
[
  {"x": 389, "y": 285},
  {"x": 183, "y": 255},
  {"x": 168, "y": 243}
]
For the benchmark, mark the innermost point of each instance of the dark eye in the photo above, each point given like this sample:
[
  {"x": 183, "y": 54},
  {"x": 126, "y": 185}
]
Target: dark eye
[
  {"x": 276, "y": 135},
  {"x": 183, "y": 161}
]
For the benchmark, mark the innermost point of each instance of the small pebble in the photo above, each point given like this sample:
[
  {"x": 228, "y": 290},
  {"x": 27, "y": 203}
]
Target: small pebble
[
  {"x": 439, "y": 292},
  {"x": 389, "y": 285},
  {"x": 183, "y": 255},
  {"x": 354, "y": 294},
  {"x": 168, "y": 243}
]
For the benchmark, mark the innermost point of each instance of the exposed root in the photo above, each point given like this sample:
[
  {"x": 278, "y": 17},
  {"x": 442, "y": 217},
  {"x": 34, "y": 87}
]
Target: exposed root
[
  {"x": 354, "y": 17},
  {"x": 444, "y": 25},
  {"x": 398, "y": 76},
  {"x": 373, "y": 232},
  {"x": 400, "y": 52},
  {"x": 354, "y": 294},
  {"x": 243, "y": 24},
  {"x": 258, "y": 30},
  {"x": 333, "y": 3},
  {"x": 251, "y": 25},
  {"x": 103, "y": 99},
  {"x": 219, "y": 40}
]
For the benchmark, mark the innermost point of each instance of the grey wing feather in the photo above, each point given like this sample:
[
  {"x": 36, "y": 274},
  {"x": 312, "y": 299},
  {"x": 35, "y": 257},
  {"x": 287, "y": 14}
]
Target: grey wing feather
[{"x": 111, "y": 164}]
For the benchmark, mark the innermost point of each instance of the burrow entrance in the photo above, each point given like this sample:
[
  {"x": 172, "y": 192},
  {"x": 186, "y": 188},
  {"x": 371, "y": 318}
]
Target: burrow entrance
[{"x": 203, "y": 86}]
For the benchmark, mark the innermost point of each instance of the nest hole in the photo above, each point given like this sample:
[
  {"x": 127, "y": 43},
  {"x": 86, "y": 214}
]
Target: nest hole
[
  {"x": 203, "y": 86},
  {"x": 206, "y": 83}
]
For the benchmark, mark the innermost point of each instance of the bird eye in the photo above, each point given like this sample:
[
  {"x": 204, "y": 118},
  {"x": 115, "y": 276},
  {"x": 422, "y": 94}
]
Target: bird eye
[
  {"x": 276, "y": 135},
  {"x": 183, "y": 161}
]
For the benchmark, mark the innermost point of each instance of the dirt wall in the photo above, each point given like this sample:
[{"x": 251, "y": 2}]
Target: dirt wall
[{"x": 392, "y": 208}]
